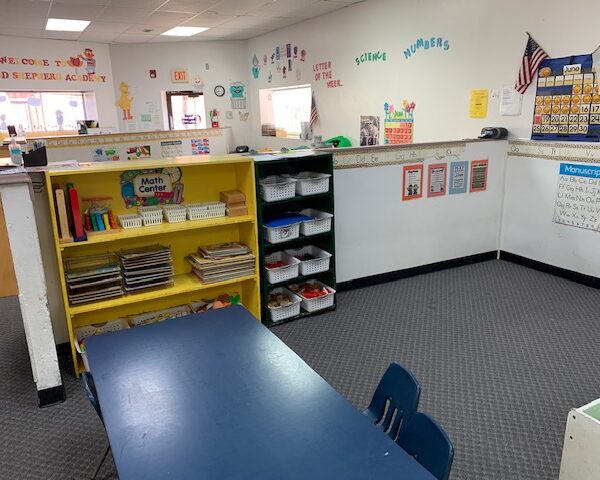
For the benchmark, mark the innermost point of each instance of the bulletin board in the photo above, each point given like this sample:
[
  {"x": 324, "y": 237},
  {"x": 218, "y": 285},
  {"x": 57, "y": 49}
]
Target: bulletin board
[{"x": 567, "y": 101}]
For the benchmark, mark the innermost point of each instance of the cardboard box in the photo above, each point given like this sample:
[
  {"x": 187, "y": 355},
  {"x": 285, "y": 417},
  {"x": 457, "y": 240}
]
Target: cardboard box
[
  {"x": 233, "y": 196},
  {"x": 237, "y": 211},
  {"x": 236, "y": 205}
]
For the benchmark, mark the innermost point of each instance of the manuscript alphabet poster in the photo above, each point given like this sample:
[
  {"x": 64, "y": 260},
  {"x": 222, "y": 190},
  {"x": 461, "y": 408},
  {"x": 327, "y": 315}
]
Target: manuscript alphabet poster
[{"x": 578, "y": 196}]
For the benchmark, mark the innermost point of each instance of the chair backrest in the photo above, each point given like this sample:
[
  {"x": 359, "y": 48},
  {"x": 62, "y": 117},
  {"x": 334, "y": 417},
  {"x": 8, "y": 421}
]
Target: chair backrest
[
  {"x": 426, "y": 441},
  {"x": 90, "y": 390},
  {"x": 395, "y": 400}
]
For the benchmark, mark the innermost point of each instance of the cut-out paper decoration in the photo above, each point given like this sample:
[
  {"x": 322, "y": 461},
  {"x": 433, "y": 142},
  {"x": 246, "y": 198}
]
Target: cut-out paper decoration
[
  {"x": 567, "y": 102},
  {"x": 198, "y": 83},
  {"x": 479, "y": 173},
  {"x": 323, "y": 72},
  {"x": 105, "y": 154},
  {"x": 436, "y": 183},
  {"x": 138, "y": 152},
  {"x": 125, "y": 101},
  {"x": 459, "y": 173},
  {"x": 219, "y": 90},
  {"x": 431, "y": 43},
  {"x": 377, "y": 56},
  {"x": 285, "y": 58},
  {"x": 270, "y": 78},
  {"x": 152, "y": 186},
  {"x": 412, "y": 182},
  {"x": 255, "y": 66},
  {"x": 237, "y": 90},
  {"x": 369, "y": 130},
  {"x": 398, "y": 124},
  {"x": 244, "y": 116},
  {"x": 200, "y": 146},
  {"x": 265, "y": 59},
  {"x": 228, "y": 114}
]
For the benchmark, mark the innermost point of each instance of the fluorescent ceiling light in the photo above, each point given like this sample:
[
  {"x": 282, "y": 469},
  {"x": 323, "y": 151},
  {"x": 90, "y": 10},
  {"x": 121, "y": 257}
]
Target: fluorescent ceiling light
[
  {"x": 184, "y": 31},
  {"x": 66, "y": 25}
]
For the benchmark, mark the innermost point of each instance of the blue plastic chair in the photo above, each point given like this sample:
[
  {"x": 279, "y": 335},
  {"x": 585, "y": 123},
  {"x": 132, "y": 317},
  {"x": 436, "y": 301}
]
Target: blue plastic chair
[
  {"x": 395, "y": 400},
  {"x": 90, "y": 390},
  {"x": 426, "y": 441}
]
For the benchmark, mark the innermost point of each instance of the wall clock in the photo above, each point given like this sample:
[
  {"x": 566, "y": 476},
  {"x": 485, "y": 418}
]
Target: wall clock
[{"x": 219, "y": 90}]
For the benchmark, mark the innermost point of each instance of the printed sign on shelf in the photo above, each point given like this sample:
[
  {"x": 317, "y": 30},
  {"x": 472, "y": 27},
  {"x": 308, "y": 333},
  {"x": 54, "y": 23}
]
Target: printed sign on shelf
[
  {"x": 171, "y": 148},
  {"x": 578, "y": 196},
  {"x": 200, "y": 146},
  {"x": 138, "y": 152},
  {"x": 479, "y": 171},
  {"x": 437, "y": 180},
  {"x": 412, "y": 182},
  {"x": 459, "y": 172},
  {"x": 105, "y": 154},
  {"x": 154, "y": 186}
]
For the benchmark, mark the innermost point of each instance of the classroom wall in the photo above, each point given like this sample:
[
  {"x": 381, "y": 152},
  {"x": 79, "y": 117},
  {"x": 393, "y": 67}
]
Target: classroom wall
[
  {"x": 216, "y": 63},
  {"x": 485, "y": 44},
  {"x": 21, "y": 50}
]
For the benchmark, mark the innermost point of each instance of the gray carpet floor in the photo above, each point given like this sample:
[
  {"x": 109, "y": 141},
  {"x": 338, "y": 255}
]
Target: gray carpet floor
[{"x": 502, "y": 353}]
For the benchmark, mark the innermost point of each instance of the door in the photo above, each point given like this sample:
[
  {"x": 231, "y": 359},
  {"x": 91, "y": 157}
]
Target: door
[{"x": 186, "y": 110}]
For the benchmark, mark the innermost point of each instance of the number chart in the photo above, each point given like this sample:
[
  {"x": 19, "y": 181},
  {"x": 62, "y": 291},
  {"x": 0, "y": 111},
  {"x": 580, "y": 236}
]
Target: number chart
[{"x": 567, "y": 101}]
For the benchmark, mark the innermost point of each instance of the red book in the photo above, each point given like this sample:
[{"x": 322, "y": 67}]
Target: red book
[{"x": 74, "y": 201}]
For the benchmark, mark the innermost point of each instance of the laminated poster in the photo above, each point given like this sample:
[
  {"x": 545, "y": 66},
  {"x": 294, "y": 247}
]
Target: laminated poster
[
  {"x": 200, "y": 146},
  {"x": 412, "y": 182},
  {"x": 437, "y": 180},
  {"x": 171, "y": 148},
  {"x": 105, "y": 154},
  {"x": 578, "y": 196},
  {"x": 369, "y": 130},
  {"x": 479, "y": 171},
  {"x": 139, "y": 152},
  {"x": 152, "y": 186},
  {"x": 478, "y": 105},
  {"x": 458, "y": 177}
]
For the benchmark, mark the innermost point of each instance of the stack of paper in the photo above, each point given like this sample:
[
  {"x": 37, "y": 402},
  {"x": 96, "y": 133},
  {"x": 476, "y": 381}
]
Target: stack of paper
[
  {"x": 147, "y": 267},
  {"x": 225, "y": 261},
  {"x": 93, "y": 277}
]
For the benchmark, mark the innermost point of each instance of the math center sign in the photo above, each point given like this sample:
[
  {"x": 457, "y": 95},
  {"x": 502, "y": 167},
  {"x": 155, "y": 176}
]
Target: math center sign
[
  {"x": 578, "y": 196},
  {"x": 158, "y": 186}
]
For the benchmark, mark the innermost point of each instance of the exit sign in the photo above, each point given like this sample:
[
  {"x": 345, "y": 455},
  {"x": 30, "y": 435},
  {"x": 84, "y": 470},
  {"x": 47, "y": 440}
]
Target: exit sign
[{"x": 179, "y": 76}]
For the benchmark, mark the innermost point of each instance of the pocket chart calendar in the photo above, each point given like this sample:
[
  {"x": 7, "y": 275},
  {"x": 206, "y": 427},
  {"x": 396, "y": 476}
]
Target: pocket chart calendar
[{"x": 567, "y": 101}]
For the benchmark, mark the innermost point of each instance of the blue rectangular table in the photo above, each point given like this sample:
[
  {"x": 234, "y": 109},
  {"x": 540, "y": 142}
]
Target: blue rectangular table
[{"x": 218, "y": 396}]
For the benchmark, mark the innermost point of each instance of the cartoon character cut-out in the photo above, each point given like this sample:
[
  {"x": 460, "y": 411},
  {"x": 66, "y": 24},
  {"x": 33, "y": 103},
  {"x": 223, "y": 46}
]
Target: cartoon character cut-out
[
  {"x": 125, "y": 101},
  {"x": 238, "y": 95},
  {"x": 89, "y": 59}
]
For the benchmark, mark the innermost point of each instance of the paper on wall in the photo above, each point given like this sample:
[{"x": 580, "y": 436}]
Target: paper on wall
[
  {"x": 510, "y": 101},
  {"x": 478, "y": 103}
]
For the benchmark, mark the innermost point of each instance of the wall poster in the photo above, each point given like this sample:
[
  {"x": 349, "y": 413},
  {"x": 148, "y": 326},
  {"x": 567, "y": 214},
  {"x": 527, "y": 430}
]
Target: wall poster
[
  {"x": 412, "y": 182},
  {"x": 578, "y": 196},
  {"x": 398, "y": 124},
  {"x": 171, "y": 148},
  {"x": 436, "y": 183},
  {"x": 479, "y": 171},
  {"x": 567, "y": 101},
  {"x": 200, "y": 146},
  {"x": 459, "y": 173},
  {"x": 369, "y": 130}
]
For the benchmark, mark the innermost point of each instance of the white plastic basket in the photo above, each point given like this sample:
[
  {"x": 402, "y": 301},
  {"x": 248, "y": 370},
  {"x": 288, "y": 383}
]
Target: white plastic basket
[
  {"x": 312, "y": 183},
  {"x": 281, "y": 274},
  {"x": 281, "y": 313},
  {"x": 96, "y": 329},
  {"x": 277, "y": 187},
  {"x": 282, "y": 234},
  {"x": 319, "y": 303},
  {"x": 151, "y": 215},
  {"x": 130, "y": 221},
  {"x": 175, "y": 213},
  {"x": 159, "y": 315},
  {"x": 320, "y": 262},
  {"x": 320, "y": 224},
  {"x": 197, "y": 211}
]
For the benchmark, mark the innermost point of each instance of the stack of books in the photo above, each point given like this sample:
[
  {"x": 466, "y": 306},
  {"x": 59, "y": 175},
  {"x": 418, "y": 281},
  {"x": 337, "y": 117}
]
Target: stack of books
[
  {"x": 93, "y": 277},
  {"x": 224, "y": 261},
  {"x": 147, "y": 267}
]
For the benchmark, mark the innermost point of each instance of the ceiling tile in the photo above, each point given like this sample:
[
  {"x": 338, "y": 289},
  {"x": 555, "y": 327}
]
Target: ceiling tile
[
  {"x": 17, "y": 21},
  {"x": 144, "y": 4},
  {"x": 133, "y": 38},
  {"x": 189, "y": 6},
  {"x": 78, "y": 12},
  {"x": 123, "y": 15},
  {"x": 208, "y": 19},
  {"x": 22, "y": 32},
  {"x": 107, "y": 27},
  {"x": 239, "y": 7},
  {"x": 139, "y": 30},
  {"x": 81, "y": 2},
  {"x": 166, "y": 19},
  {"x": 217, "y": 32},
  {"x": 99, "y": 37},
  {"x": 25, "y": 8},
  {"x": 284, "y": 8},
  {"x": 247, "y": 21},
  {"x": 62, "y": 35},
  {"x": 318, "y": 8}
]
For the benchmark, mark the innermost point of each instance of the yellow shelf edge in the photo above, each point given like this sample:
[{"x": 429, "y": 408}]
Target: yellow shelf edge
[
  {"x": 184, "y": 283},
  {"x": 161, "y": 229}
]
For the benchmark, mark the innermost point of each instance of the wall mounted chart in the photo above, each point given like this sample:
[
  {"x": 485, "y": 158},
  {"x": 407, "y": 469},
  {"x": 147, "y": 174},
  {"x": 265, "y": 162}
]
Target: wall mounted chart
[{"x": 567, "y": 101}]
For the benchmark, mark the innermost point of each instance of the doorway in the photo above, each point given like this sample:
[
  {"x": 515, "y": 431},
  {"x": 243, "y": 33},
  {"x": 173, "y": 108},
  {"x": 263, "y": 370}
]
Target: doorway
[{"x": 185, "y": 110}]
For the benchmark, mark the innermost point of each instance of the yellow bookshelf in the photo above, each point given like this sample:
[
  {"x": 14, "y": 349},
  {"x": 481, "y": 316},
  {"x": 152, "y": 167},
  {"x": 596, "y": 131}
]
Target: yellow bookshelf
[{"x": 203, "y": 178}]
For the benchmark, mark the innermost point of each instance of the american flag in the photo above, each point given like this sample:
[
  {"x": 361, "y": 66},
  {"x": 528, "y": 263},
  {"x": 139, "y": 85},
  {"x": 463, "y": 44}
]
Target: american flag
[
  {"x": 314, "y": 114},
  {"x": 533, "y": 56}
]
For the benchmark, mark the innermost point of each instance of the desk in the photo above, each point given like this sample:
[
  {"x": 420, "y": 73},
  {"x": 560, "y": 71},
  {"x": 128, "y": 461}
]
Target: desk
[{"x": 218, "y": 396}]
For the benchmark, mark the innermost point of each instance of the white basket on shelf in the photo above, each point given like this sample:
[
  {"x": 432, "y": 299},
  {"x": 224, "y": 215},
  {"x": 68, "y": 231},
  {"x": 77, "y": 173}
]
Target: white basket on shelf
[
  {"x": 151, "y": 215},
  {"x": 281, "y": 313},
  {"x": 311, "y": 183},
  {"x": 175, "y": 213},
  {"x": 96, "y": 329},
  {"x": 277, "y": 187},
  {"x": 282, "y": 234},
  {"x": 130, "y": 221},
  {"x": 286, "y": 272},
  {"x": 159, "y": 315},
  {"x": 319, "y": 303},
  {"x": 321, "y": 222},
  {"x": 319, "y": 263},
  {"x": 197, "y": 211}
]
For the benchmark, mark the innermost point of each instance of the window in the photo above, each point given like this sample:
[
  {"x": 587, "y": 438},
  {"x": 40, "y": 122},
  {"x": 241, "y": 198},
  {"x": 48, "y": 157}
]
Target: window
[
  {"x": 33, "y": 112},
  {"x": 185, "y": 110},
  {"x": 285, "y": 112}
]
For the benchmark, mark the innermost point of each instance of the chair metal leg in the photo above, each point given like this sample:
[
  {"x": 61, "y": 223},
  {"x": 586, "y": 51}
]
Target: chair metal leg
[{"x": 101, "y": 462}]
